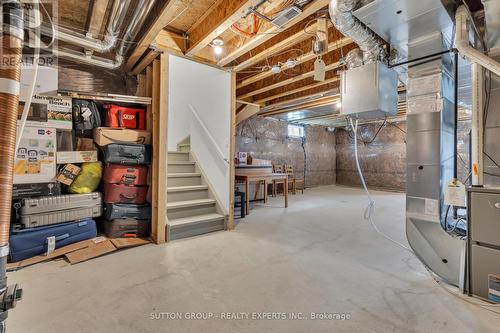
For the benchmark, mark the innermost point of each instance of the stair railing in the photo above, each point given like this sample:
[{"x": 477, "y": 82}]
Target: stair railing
[{"x": 208, "y": 134}]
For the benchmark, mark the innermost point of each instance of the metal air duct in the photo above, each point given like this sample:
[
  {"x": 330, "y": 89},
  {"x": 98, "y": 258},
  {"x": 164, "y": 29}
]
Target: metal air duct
[
  {"x": 108, "y": 43},
  {"x": 12, "y": 36},
  {"x": 141, "y": 12},
  {"x": 345, "y": 22}
]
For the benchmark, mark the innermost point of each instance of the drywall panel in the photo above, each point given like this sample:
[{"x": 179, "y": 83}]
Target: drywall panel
[{"x": 197, "y": 89}]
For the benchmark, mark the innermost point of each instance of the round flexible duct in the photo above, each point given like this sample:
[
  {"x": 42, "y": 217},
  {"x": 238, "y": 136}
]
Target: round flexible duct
[
  {"x": 138, "y": 18},
  {"x": 10, "y": 74},
  {"x": 345, "y": 22}
]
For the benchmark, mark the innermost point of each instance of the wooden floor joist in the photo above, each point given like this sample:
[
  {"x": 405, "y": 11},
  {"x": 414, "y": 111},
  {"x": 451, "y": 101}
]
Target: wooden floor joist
[
  {"x": 270, "y": 33},
  {"x": 222, "y": 15},
  {"x": 297, "y": 90},
  {"x": 162, "y": 19},
  {"x": 304, "y": 58},
  {"x": 148, "y": 59},
  {"x": 288, "y": 81},
  {"x": 278, "y": 47}
]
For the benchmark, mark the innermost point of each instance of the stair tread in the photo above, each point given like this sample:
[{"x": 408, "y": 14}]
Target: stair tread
[
  {"x": 184, "y": 174},
  {"x": 184, "y": 144},
  {"x": 178, "y": 152},
  {"x": 195, "y": 219},
  {"x": 187, "y": 188},
  {"x": 189, "y": 203},
  {"x": 181, "y": 163}
]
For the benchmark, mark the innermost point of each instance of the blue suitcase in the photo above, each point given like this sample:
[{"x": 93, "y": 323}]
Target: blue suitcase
[{"x": 27, "y": 243}]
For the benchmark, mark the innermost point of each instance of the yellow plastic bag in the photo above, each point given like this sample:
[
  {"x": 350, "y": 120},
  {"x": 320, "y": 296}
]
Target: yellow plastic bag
[{"x": 88, "y": 179}]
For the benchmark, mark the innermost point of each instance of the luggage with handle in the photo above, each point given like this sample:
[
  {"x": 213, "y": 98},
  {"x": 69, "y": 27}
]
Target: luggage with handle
[
  {"x": 127, "y": 211},
  {"x": 36, "y": 212},
  {"x": 119, "y": 193},
  {"x": 126, "y": 174},
  {"x": 122, "y": 228},
  {"x": 125, "y": 117},
  {"x": 127, "y": 154},
  {"x": 28, "y": 243}
]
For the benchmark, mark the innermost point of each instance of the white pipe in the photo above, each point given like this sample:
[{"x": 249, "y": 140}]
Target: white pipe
[
  {"x": 463, "y": 47},
  {"x": 477, "y": 125},
  {"x": 31, "y": 89}
]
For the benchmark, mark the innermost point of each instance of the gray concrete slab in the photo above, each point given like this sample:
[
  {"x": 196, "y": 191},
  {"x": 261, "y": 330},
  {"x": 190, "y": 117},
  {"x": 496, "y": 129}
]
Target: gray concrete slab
[{"x": 318, "y": 255}]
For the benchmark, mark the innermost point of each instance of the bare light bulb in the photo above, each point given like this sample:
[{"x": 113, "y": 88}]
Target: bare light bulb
[
  {"x": 217, "y": 50},
  {"x": 338, "y": 105}
]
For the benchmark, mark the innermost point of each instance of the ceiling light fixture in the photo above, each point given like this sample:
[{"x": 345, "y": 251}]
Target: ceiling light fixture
[
  {"x": 217, "y": 46},
  {"x": 291, "y": 63},
  {"x": 276, "y": 69}
]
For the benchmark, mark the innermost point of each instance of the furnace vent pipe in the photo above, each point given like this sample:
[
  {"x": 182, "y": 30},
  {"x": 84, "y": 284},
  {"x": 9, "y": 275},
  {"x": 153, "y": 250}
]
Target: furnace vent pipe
[
  {"x": 463, "y": 47},
  {"x": 345, "y": 22},
  {"x": 140, "y": 14},
  {"x": 108, "y": 43}
]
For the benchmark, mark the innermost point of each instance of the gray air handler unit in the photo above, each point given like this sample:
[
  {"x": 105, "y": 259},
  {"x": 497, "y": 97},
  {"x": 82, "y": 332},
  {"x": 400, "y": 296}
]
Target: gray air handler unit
[
  {"x": 379, "y": 86},
  {"x": 431, "y": 160}
]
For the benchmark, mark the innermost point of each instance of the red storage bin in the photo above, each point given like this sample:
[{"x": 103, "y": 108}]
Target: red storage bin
[
  {"x": 126, "y": 174},
  {"x": 119, "y": 193},
  {"x": 123, "y": 117}
]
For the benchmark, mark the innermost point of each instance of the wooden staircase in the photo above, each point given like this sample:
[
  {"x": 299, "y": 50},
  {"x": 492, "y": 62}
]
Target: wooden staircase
[{"x": 191, "y": 206}]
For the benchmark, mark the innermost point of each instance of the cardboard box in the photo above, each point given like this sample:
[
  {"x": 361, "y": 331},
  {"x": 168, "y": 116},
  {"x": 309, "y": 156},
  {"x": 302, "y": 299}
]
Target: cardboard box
[
  {"x": 36, "y": 156},
  {"x": 68, "y": 174},
  {"x": 65, "y": 157},
  {"x": 105, "y": 135},
  {"x": 49, "y": 111},
  {"x": 85, "y": 144}
]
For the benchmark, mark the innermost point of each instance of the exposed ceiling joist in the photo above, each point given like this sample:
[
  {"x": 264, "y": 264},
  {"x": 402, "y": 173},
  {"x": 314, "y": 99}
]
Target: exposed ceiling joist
[
  {"x": 97, "y": 17},
  {"x": 152, "y": 55},
  {"x": 271, "y": 32},
  {"x": 170, "y": 39},
  {"x": 304, "y": 58},
  {"x": 247, "y": 111},
  {"x": 297, "y": 90},
  {"x": 222, "y": 15},
  {"x": 288, "y": 81},
  {"x": 278, "y": 47},
  {"x": 162, "y": 19}
]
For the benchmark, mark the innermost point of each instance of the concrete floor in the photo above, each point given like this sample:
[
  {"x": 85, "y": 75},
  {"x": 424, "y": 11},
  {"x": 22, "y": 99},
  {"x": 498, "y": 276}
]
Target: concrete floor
[{"x": 317, "y": 256}]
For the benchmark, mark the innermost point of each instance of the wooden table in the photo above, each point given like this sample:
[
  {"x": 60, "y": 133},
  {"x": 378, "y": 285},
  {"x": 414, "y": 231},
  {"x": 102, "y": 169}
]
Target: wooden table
[{"x": 266, "y": 178}]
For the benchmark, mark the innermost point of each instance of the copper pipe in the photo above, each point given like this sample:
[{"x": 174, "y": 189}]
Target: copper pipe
[{"x": 11, "y": 52}]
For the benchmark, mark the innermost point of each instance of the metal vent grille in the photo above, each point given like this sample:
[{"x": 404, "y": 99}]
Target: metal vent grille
[{"x": 286, "y": 16}]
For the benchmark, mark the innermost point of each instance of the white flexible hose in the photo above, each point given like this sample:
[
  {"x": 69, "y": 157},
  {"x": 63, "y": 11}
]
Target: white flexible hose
[
  {"x": 368, "y": 215},
  {"x": 370, "y": 209}
]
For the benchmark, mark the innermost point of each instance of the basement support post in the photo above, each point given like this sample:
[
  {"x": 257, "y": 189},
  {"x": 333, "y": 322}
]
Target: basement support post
[{"x": 232, "y": 149}]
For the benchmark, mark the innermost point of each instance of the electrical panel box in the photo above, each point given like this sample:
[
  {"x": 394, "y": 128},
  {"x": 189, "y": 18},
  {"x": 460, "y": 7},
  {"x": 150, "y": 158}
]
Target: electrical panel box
[{"x": 369, "y": 91}]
